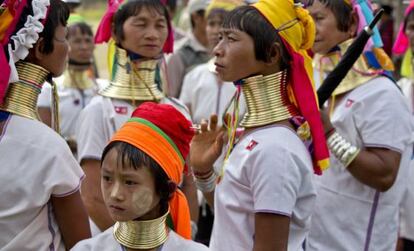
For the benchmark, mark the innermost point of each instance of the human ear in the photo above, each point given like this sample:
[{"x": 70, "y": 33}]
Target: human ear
[
  {"x": 38, "y": 49},
  {"x": 274, "y": 54},
  {"x": 172, "y": 187},
  {"x": 353, "y": 27}
]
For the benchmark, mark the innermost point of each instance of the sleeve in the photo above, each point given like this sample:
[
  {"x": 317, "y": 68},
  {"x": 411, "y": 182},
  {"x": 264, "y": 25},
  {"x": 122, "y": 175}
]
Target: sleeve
[
  {"x": 45, "y": 96},
  {"x": 175, "y": 71},
  {"x": 274, "y": 180},
  {"x": 64, "y": 174},
  {"x": 186, "y": 95},
  {"x": 91, "y": 132},
  {"x": 383, "y": 120}
]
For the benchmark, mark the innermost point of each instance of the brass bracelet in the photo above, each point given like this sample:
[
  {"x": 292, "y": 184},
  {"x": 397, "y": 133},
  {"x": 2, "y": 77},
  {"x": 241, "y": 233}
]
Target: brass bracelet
[{"x": 344, "y": 151}]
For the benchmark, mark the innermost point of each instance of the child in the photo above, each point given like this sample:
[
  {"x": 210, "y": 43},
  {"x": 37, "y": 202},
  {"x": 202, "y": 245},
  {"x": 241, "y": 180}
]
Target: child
[
  {"x": 141, "y": 168},
  {"x": 142, "y": 32}
]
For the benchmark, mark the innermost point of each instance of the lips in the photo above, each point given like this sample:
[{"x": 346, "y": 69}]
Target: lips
[{"x": 116, "y": 208}]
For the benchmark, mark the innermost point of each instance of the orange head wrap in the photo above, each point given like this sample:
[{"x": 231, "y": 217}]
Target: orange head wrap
[{"x": 164, "y": 134}]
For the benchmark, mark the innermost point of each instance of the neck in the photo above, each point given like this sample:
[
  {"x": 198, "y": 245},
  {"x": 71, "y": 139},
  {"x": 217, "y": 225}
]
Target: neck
[
  {"x": 142, "y": 234},
  {"x": 21, "y": 97},
  {"x": 201, "y": 37},
  {"x": 133, "y": 81},
  {"x": 267, "y": 100},
  {"x": 78, "y": 78}
]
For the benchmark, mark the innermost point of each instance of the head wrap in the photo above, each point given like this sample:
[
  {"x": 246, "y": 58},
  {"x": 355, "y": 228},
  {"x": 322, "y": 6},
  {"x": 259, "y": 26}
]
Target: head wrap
[
  {"x": 103, "y": 33},
  {"x": 16, "y": 47},
  {"x": 164, "y": 134},
  {"x": 297, "y": 31},
  {"x": 363, "y": 9},
  {"x": 402, "y": 43},
  {"x": 226, "y": 5}
]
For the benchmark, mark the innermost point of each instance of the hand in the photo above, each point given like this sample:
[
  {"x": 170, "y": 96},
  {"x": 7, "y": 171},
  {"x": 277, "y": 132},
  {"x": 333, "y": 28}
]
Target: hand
[{"x": 206, "y": 145}]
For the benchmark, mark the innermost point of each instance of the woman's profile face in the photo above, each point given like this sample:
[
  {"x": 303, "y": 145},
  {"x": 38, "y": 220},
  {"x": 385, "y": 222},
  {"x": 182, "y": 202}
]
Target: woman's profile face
[
  {"x": 327, "y": 33},
  {"x": 145, "y": 33},
  {"x": 235, "y": 56},
  {"x": 128, "y": 193},
  {"x": 55, "y": 62}
]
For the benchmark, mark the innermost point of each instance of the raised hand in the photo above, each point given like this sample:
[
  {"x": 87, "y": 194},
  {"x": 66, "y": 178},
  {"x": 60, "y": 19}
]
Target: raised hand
[{"x": 206, "y": 145}]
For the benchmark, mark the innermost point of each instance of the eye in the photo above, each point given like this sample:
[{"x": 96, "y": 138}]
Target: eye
[
  {"x": 130, "y": 183},
  {"x": 231, "y": 39},
  {"x": 106, "y": 178}
]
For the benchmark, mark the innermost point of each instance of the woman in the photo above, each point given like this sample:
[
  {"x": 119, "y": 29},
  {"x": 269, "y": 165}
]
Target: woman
[
  {"x": 265, "y": 198},
  {"x": 142, "y": 32},
  {"x": 404, "y": 45},
  {"x": 40, "y": 178},
  {"x": 205, "y": 94},
  {"x": 76, "y": 87},
  {"x": 369, "y": 135},
  {"x": 141, "y": 169}
]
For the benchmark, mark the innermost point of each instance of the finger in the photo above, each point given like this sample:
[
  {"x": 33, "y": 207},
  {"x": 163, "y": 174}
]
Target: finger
[
  {"x": 213, "y": 122},
  {"x": 204, "y": 126}
]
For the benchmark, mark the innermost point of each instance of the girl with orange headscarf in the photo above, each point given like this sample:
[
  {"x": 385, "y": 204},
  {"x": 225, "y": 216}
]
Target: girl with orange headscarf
[
  {"x": 264, "y": 195},
  {"x": 140, "y": 172}
]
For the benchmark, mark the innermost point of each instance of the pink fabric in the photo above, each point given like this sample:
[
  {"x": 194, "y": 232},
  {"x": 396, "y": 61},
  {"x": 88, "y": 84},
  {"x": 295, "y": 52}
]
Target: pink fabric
[
  {"x": 401, "y": 43},
  {"x": 16, "y": 8},
  {"x": 308, "y": 106},
  {"x": 103, "y": 33}
]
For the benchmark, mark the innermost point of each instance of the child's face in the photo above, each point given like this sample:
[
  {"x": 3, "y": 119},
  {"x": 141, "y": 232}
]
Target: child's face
[
  {"x": 327, "y": 33},
  {"x": 128, "y": 193},
  {"x": 235, "y": 56},
  {"x": 145, "y": 33},
  {"x": 409, "y": 30}
]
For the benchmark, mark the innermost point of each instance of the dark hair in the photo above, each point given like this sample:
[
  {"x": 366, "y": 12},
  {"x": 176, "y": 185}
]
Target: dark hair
[
  {"x": 407, "y": 17},
  {"x": 264, "y": 35},
  {"x": 387, "y": 9},
  {"x": 58, "y": 14},
  {"x": 83, "y": 27},
  {"x": 342, "y": 12},
  {"x": 200, "y": 13},
  {"x": 129, "y": 155},
  {"x": 133, "y": 8},
  {"x": 217, "y": 12}
]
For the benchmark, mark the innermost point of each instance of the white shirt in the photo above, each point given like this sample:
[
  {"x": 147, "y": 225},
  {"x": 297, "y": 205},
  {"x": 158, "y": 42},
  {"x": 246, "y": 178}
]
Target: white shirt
[
  {"x": 204, "y": 94},
  {"x": 102, "y": 118},
  {"x": 36, "y": 165},
  {"x": 106, "y": 242},
  {"x": 269, "y": 171},
  {"x": 407, "y": 205},
  {"x": 71, "y": 103},
  {"x": 350, "y": 215}
]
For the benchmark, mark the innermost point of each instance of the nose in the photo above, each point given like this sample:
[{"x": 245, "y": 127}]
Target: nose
[
  {"x": 116, "y": 192},
  {"x": 151, "y": 33},
  {"x": 218, "y": 50}
]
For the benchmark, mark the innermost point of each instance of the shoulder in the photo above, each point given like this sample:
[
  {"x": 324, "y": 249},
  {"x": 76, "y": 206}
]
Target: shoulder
[
  {"x": 377, "y": 86},
  {"x": 176, "y": 242},
  {"x": 178, "y": 105},
  {"x": 275, "y": 143},
  {"x": 102, "y": 241}
]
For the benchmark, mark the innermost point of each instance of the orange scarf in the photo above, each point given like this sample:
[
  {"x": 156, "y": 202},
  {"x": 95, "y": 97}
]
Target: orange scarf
[{"x": 150, "y": 139}]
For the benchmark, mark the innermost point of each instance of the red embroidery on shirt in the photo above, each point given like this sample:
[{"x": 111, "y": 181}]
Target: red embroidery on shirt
[
  {"x": 251, "y": 145},
  {"x": 121, "y": 109},
  {"x": 349, "y": 103}
]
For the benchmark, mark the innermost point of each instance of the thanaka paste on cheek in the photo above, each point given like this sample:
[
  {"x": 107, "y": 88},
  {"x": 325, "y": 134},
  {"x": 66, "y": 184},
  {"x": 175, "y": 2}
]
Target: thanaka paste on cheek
[{"x": 142, "y": 201}]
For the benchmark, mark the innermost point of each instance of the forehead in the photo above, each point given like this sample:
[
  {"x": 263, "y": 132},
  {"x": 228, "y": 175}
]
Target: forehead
[
  {"x": 148, "y": 13},
  {"x": 318, "y": 8}
]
